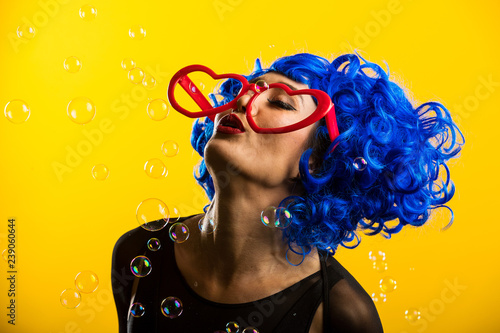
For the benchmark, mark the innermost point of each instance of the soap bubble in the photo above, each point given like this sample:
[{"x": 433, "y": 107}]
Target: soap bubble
[
  {"x": 207, "y": 227},
  {"x": 379, "y": 297},
  {"x": 261, "y": 85},
  {"x": 276, "y": 217},
  {"x": 376, "y": 255},
  {"x": 170, "y": 148},
  {"x": 268, "y": 216},
  {"x": 128, "y": 64},
  {"x": 359, "y": 163},
  {"x": 387, "y": 284},
  {"x": 137, "y": 310},
  {"x": 154, "y": 244},
  {"x": 380, "y": 265},
  {"x": 179, "y": 232},
  {"x": 412, "y": 315},
  {"x": 86, "y": 282},
  {"x": 283, "y": 218},
  {"x": 232, "y": 327},
  {"x": 70, "y": 298},
  {"x": 149, "y": 81},
  {"x": 137, "y": 32},
  {"x": 72, "y": 64},
  {"x": 81, "y": 110},
  {"x": 100, "y": 172},
  {"x": 157, "y": 109},
  {"x": 26, "y": 31},
  {"x": 155, "y": 168},
  {"x": 250, "y": 330},
  {"x": 17, "y": 111},
  {"x": 171, "y": 307},
  {"x": 140, "y": 266},
  {"x": 88, "y": 12},
  {"x": 152, "y": 214},
  {"x": 136, "y": 75}
]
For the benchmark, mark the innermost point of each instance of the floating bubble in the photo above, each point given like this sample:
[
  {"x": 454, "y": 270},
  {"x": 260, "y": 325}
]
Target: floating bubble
[
  {"x": 136, "y": 75},
  {"x": 207, "y": 227},
  {"x": 412, "y": 315},
  {"x": 232, "y": 327},
  {"x": 179, "y": 232},
  {"x": 137, "y": 310},
  {"x": 171, "y": 307},
  {"x": 379, "y": 297},
  {"x": 72, "y": 64},
  {"x": 283, "y": 218},
  {"x": 149, "y": 81},
  {"x": 128, "y": 64},
  {"x": 86, "y": 282},
  {"x": 261, "y": 85},
  {"x": 387, "y": 284},
  {"x": 137, "y": 32},
  {"x": 154, "y": 244},
  {"x": 26, "y": 31},
  {"x": 157, "y": 109},
  {"x": 88, "y": 12},
  {"x": 5, "y": 254},
  {"x": 81, "y": 110},
  {"x": 152, "y": 214},
  {"x": 268, "y": 216},
  {"x": 100, "y": 172},
  {"x": 140, "y": 266},
  {"x": 170, "y": 148},
  {"x": 70, "y": 298},
  {"x": 250, "y": 330},
  {"x": 155, "y": 168},
  {"x": 376, "y": 255},
  {"x": 359, "y": 163},
  {"x": 17, "y": 111},
  {"x": 380, "y": 265},
  {"x": 276, "y": 217}
]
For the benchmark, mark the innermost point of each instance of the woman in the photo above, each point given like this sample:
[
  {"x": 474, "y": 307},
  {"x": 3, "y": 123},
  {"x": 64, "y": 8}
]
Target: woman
[{"x": 313, "y": 167}]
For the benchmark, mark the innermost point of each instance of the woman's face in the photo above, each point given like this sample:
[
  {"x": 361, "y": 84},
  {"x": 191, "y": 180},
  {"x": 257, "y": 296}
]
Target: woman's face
[{"x": 268, "y": 159}]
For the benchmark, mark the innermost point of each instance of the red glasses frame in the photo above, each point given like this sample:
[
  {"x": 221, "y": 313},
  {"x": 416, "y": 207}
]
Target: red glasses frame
[{"x": 325, "y": 107}]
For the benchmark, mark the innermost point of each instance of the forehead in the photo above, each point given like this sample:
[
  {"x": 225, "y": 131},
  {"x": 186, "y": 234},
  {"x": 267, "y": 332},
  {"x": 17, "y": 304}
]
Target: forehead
[{"x": 273, "y": 77}]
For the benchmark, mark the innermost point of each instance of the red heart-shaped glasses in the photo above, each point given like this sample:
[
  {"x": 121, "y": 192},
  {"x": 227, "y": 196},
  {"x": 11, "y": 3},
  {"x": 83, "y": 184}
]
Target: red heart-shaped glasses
[{"x": 324, "y": 107}]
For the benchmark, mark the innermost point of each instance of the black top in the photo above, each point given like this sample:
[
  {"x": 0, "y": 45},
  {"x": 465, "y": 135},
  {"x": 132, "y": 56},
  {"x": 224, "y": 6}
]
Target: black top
[{"x": 349, "y": 308}]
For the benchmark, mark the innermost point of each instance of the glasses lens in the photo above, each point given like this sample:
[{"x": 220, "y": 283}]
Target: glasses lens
[
  {"x": 274, "y": 108},
  {"x": 201, "y": 86}
]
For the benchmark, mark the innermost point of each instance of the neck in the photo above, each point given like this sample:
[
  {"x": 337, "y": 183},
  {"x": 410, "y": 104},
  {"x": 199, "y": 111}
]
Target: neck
[{"x": 241, "y": 245}]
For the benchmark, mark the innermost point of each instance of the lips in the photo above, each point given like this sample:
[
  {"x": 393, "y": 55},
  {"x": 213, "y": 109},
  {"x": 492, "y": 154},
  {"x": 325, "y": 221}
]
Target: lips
[{"x": 230, "y": 124}]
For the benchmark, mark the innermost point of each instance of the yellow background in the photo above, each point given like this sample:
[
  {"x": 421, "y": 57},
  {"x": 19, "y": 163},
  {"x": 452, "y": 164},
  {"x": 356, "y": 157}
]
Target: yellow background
[{"x": 439, "y": 50}]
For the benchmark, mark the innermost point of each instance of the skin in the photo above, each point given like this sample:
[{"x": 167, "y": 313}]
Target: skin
[{"x": 240, "y": 261}]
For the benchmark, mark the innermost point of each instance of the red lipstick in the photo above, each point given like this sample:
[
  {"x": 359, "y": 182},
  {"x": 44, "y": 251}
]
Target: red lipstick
[{"x": 230, "y": 124}]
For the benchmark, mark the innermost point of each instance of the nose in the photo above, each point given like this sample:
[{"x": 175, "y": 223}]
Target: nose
[{"x": 243, "y": 101}]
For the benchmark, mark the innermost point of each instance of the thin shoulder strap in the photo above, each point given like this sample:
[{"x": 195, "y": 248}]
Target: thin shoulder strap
[{"x": 326, "y": 294}]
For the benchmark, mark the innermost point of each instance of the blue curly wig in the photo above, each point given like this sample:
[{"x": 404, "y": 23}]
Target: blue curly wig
[{"x": 405, "y": 148}]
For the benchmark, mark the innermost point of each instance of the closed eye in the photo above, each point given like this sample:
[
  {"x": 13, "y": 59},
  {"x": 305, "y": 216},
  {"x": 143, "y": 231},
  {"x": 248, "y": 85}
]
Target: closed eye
[{"x": 281, "y": 104}]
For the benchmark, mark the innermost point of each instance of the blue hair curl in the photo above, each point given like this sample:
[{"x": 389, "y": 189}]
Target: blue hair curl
[{"x": 405, "y": 149}]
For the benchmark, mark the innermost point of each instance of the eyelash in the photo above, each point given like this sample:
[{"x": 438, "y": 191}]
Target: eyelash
[{"x": 281, "y": 104}]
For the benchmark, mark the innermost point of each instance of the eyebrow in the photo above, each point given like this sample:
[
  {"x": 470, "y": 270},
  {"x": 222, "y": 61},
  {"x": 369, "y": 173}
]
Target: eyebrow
[{"x": 255, "y": 79}]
